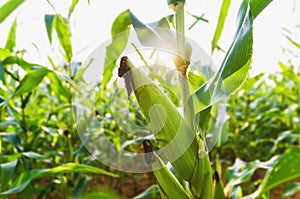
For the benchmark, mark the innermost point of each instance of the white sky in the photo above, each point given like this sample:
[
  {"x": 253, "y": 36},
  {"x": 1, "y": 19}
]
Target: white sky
[{"x": 91, "y": 26}]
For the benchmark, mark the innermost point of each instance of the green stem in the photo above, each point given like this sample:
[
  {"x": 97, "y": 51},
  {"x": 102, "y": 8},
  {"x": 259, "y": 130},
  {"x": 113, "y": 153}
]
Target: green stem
[
  {"x": 204, "y": 169},
  {"x": 181, "y": 48}
]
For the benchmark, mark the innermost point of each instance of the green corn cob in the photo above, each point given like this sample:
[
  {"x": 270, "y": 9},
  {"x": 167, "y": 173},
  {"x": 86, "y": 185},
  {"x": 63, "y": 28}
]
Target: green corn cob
[{"x": 171, "y": 131}]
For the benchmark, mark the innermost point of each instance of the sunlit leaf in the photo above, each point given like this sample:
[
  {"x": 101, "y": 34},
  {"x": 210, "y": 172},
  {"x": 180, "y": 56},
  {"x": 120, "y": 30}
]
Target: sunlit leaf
[
  {"x": 236, "y": 64},
  {"x": 25, "y": 178},
  {"x": 195, "y": 81},
  {"x": 72, "y": 7},
  {"x": 148, "y": 37},
  {"x": 233, "y": 70},
  {"x": 11, "y": 60},
  {"x": 11, "y": 39},
  {"x": 221, "y": 21},
  {"x": 61, "y": 27},
  {"x": 8, "y": 8},
  {"x": 4, "y": 53},
  {"x": 115, "y": 48},
  {"x": 57, "y": 86},
  {"x": 30, "y": 81},
  {"x": 258, "y": 5},
  {"x": 64, "y": 36}
]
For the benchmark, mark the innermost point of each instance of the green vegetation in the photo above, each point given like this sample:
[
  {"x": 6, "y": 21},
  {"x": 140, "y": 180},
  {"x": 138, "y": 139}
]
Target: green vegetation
[{"x": 43, "y": 153}]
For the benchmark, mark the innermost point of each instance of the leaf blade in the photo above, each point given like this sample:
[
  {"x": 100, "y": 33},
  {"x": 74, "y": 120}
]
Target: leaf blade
[
  {"x": 8, "y": 8},
  {"x": 49, "y": 21},
  {"x": 221, "y": 21},
  {"x": 64, "y": 35},
  {"x": 30, "y": 81},
  {"x": 72, "y": 7},
  {"x": 26, "y": 178},
  {"x": 285, "y": 169},
  {"x": 233, "y": 70},
  {"x": 11, "y": 39},
  {"x": 116, "y": 47},
  {"x": 258, "y": 5}
]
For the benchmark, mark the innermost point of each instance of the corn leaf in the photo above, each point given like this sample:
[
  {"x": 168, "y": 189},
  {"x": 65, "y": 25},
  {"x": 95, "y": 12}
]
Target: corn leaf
[
  {"x": 10, "y": 60},
  {"x": 11, "y": 39},
  {"x": 72, "y": 7},
  {"x": 168, "y": 184},
  {"x": 201, "y": 182},
  {"x": 120, "y": 32},
  {"x": 49, "y": 19},
  {"x": 4, "y": 53},
  {"x": 258, "y": 5},
  {"x": 234, "y": 68},
  {"x": 236, "y": 64},
  {"x": 61, "y": 27},
  {"x": 58, "y": 87},
  {"x": 221, "y": 21},
  {"x": 151, "y": 192},
  {"x": 25, "y": 178},
  {"x": 64, "y": 36},
  {"x": 8, "y": 8},
  {"x": 116, "y": 47},
  {"x": 7, "y": 172},
  {"x": 30, "y": 81},
  {"x": 287, "y": 168},
  {"x": 280, "y": 169}
]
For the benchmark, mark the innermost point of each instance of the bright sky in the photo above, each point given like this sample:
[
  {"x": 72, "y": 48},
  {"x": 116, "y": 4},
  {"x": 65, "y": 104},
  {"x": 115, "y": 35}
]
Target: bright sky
[{"x": 91, "y": 26}]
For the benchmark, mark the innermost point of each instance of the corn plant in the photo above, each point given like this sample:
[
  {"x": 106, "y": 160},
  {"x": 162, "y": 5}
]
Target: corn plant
[{"x": 193, "y": 172}]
